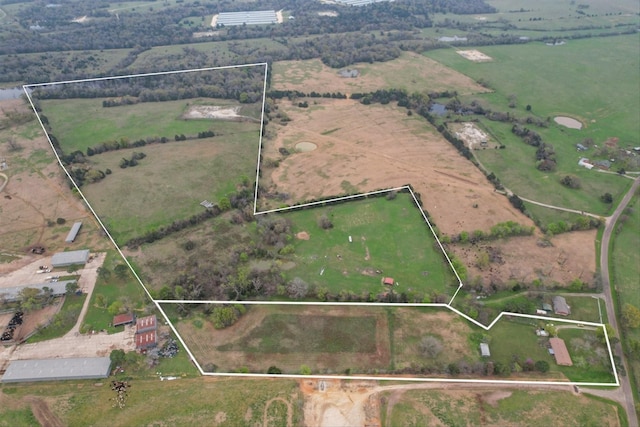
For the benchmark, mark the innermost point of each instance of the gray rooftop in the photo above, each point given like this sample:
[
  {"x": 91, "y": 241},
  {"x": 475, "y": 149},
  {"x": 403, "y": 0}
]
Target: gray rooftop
[
  {"x": 259, "y": 17},
  {"x": 359, "y": 2},
  {"x": 73, "y": 232},
  {"x": 57, "y": 369},
  {"x": 13, "y": 293},
  {"x": 64, "y": 259}
]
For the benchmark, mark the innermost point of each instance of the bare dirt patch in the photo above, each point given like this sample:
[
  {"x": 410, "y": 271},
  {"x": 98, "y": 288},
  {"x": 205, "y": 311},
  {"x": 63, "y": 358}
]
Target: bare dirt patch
[
  {"x": 474, "y": 55},
  {"x": 303, "y": 235},
  {"x": 195, "y": 112},
  {"x": 43, "y": 413},
  {"x": 473, "y": 137},
  {"x": 572, "y": 256},
  {"x": 410, "y": 71}
]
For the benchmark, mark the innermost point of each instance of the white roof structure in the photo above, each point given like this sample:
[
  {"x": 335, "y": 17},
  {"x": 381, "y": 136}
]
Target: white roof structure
[
  {"x": 484, "y": 350},
  {"x": 359, "y": 2},
  {"x": 57, "y": 369},
  {"x": 73, "y": 232},
  {"x": 13, "y": 293},
  {"x": 65, "y": 259},
  {"x": 259, "y": 17}
]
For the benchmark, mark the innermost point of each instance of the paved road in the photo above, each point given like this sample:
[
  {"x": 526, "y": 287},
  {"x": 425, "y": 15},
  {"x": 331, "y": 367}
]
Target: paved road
[{"x": 606, "y": 289}]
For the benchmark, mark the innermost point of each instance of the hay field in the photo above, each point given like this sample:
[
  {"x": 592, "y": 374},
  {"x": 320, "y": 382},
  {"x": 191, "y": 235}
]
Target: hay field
[
  {"x": 412, "y": 72},
  {"x": 328, "y": 340},
  {"x": 363, "y": 148}
]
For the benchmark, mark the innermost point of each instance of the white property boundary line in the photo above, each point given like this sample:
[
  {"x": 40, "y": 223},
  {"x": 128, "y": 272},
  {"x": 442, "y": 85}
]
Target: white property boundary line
[{"x": 158, "y": 303}]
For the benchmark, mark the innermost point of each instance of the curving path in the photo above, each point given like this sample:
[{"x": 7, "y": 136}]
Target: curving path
[
  {"x": 625, "y": 384},
  {"x": 6, "y": 181}
]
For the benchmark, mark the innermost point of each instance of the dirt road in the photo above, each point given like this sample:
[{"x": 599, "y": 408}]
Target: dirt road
[
  {"x": 86, "y": 283},
  {"x": 625, "y": 384}
]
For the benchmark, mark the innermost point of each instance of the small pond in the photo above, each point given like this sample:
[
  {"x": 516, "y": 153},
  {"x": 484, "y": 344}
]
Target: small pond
[
  {"x": 568, "y": 122},
  {"x": 438, "y": 109}
]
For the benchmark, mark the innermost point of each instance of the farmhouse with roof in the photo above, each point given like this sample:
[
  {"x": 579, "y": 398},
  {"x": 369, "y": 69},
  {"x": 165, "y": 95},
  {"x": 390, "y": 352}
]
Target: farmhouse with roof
[
  {"x": 560, "y": 306},
  {"x": 123, "y": 319}
]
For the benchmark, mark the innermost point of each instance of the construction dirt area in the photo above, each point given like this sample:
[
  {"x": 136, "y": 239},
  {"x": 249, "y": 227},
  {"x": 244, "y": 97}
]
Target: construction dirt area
[
  {"x": 474, "y": 55},
  {"x": 363, "y": 148}
]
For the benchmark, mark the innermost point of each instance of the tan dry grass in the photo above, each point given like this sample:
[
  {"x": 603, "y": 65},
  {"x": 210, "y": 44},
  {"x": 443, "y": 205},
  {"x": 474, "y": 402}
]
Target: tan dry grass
[
  {"x": 379, "y": 146},
  {"x": 413, "y": 72}
]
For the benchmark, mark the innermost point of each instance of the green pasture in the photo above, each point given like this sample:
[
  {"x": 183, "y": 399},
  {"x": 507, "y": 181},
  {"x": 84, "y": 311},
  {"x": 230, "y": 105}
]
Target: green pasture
[
  {"x": 389, "y": 236},
  {"x": 172, "y": 180},
  {"x": 548, "y": 216},
  {"x": 510, "y": 339},
  {"x": 82, "y": 123},
  {"x": 585, "y": 308},
  {"x": 62, "y": 321},
  {"x": 320, "y": 334},
  {"x": 625, "y": 258},
  {"x": 594, "y": 80},
  {"x": 516, "y": 407},
  {"x": 542, "y": 186},
  {"x": 112, "y": 288},
  {"x": 183, "y": 402}
]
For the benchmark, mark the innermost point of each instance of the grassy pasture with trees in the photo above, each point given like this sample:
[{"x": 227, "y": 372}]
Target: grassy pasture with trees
[
  {"x": 574, "y": 80},
  {"x": 388, "y": 236}
]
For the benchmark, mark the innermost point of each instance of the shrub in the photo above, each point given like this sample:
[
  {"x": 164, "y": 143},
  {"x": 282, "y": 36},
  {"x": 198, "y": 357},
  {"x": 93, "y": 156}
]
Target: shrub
[{"x": 542, "y": 366}]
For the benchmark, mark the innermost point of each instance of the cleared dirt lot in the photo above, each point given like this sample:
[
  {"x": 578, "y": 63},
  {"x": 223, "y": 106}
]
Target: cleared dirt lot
[{"x": 413, "y": 72}]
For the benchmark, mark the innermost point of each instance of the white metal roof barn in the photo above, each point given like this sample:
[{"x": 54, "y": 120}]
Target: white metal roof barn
[
  {"x": 258, "y": 17},
  {"x": 65, "y": 259},
  {"x": 57, "y": 369}
]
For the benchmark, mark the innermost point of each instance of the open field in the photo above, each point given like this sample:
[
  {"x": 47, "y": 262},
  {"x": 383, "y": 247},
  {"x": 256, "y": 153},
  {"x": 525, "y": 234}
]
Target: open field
[
  {"x": 361, "y": 148},
  {"x": 183, "y": 402},
  {"x": 389, "y": 238},
  {"x": 82, "y": 123},
  {"x": 36, "y": 194},
  {"x": 535, "y": 71},
  {"x": 171, "y": 181},
  {"x": 321, "y": 338},
  {"x": 496, "y": 407},
  {"x": 372, "y": 340},
  {"x": 412, "y": 72}
]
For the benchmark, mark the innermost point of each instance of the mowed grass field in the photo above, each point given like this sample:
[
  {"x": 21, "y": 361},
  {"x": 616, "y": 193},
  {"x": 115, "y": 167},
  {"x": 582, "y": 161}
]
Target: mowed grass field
[
  {"x": 390, "y": 238},
  {"x": 504, "y": 407},
  {"x": 82, "y": 123},
  {"x": 183, "y": 402},
  {"x": 171, "y": 181}
]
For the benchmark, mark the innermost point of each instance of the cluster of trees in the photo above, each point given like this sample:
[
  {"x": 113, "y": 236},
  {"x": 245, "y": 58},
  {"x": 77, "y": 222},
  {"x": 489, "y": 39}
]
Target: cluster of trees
[
  {"x": 226, "y": 315},
  {"x": 498, "y": 231},
  {"x": 132, "y": 160},
  {"x": 581, "y": 223}
]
